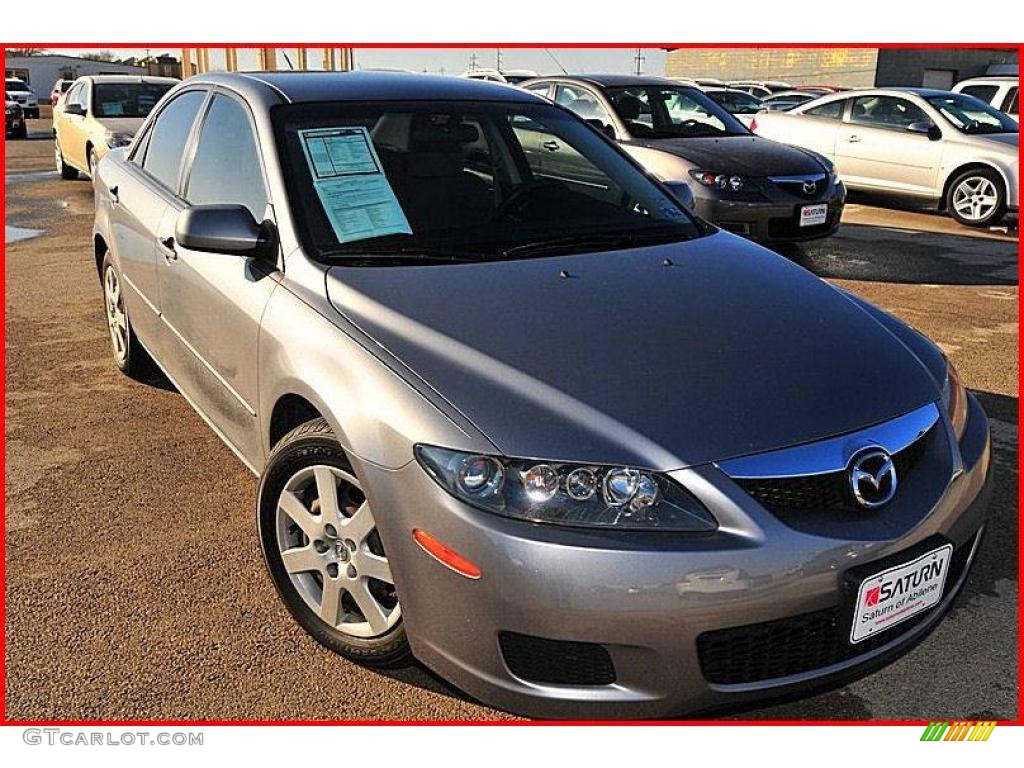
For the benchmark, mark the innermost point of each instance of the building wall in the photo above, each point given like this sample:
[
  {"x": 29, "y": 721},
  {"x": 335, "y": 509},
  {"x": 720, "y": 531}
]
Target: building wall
[
  {"x": 44, "y": 71},
  {"x": 937, "y": 67},
  {"x": 798, "y": 66}
]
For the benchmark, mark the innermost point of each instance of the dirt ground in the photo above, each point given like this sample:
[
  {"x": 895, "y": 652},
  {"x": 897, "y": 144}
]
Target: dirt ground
[{"x": 135, "y": 586}]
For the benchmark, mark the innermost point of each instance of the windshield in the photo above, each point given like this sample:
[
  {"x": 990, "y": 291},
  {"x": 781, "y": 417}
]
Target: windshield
[
  {"x": 737, "y": 102},
  {"x": 126, "y": 99},
  {"x": 16, "y": 85},
  {"x": 464, "y": 181},
  {"x": 667, "y": 112},
  {"x": 972, "y": 115}
]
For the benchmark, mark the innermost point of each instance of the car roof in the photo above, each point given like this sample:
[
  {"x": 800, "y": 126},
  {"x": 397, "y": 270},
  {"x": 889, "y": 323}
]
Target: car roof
[
  {"x": 128, "y": 79},
  {"x": 991, "y": 79},
  {"x": 606, "y": 81},
  {"x": 300, "y": 87}
]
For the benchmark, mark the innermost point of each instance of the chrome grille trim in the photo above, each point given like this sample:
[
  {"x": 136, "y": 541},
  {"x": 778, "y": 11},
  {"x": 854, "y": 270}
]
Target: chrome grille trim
[{"x": 833, "y": 454}]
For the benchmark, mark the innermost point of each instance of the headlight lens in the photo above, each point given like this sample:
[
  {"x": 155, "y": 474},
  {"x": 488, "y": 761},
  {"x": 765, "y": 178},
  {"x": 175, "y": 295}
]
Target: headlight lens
[
  {"x": 954, "y": 400},
  {"x": 715, "y": 180},
  {"x": 118, "y": 139},
  {"x": 567, "y": 494}
]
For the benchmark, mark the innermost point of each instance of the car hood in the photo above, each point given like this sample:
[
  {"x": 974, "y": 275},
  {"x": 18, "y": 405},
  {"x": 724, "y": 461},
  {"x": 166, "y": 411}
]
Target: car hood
[
  {"x": 129, "y": 125},
  {"x": 729, "y": 350},
  {"x": 748, "y": 155},
  {"x": 999, "y": 141}
]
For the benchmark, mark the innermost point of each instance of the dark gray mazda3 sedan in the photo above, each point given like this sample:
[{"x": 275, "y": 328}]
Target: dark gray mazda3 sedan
[{"x": 573, "y": 448}]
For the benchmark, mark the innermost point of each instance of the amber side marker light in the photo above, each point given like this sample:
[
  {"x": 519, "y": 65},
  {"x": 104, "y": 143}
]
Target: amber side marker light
[{"x": 445, "y": 555}]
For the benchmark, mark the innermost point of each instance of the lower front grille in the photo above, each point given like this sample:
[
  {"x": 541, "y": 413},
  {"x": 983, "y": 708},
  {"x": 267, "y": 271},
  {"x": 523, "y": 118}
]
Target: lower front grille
[
  {"x": 798, "y": 644},
  {"x": 556, "y": 662}
]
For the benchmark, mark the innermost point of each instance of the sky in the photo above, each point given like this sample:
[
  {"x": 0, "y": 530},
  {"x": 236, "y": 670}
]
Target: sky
[{"x": 451, "y": 60}]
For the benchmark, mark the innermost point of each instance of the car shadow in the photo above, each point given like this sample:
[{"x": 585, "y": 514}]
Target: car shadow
[{"x": 883, "y": 254}]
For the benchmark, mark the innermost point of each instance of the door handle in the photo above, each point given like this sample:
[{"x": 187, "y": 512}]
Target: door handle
[
  {"x": 550, "y": 146},
  {"x": 853, "y": 138},
  {"x": 112, "y": 191},
  {"x": 167, "y": 245}
]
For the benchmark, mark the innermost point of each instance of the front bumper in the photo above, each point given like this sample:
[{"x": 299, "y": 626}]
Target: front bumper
[
  {"x": 774, "y": 219},
  {"x": 645, "y": 599}
]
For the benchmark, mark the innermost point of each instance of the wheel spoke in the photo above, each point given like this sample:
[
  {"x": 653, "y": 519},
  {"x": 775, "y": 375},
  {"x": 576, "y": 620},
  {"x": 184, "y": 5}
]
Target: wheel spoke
[
  {"x": 327, "y": 491},
  {"x": 368, "y": 605},
  {"x": 302, "y": 560},
  {"x": 330, "y": 601},
  {"x": 359, "y": 526},
  {"x": 375, "y": 567},
  {"x": 310, "y": 524}
]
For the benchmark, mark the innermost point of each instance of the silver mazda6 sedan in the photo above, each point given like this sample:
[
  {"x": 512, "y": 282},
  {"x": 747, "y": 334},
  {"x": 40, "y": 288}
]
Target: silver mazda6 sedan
[{"x": 571, "y": 447}]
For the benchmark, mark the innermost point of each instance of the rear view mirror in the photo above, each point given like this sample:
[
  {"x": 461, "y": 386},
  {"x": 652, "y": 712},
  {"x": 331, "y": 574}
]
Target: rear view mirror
[
  {"x": 682, "y": 192},
  {"x": 220, "y": 229}
]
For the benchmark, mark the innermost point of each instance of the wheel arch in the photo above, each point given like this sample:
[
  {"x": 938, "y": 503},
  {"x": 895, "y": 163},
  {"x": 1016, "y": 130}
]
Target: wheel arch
[
  {"x": 970, "y": 166},
  {"x": 289, "y": 411},
  {"x": 99, "y": 249}
]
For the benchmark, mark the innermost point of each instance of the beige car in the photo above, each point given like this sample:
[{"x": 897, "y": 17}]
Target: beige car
[
  {"x": 918, "y": 142},
  {"x": 99, "y": 113}
]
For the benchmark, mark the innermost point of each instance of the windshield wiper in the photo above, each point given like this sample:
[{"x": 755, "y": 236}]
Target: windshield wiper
[
  {"x": 404, "y": 256},
  {"x": 589, "y": 242}
]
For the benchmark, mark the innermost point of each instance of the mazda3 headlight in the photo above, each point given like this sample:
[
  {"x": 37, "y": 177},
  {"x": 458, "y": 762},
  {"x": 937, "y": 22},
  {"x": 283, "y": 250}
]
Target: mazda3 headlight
[
  {"x": 718, "y": 180},
  {"x": 558, "y": 493},
  {"x": 954, "y": 400},
  {"x": 116, "y": 139}
]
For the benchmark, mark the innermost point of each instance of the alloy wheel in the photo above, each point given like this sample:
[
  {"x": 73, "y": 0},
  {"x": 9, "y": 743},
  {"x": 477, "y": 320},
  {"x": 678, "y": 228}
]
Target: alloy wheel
[
  {"x": 329, "y": 545},
  {"x": 117, "y": 321},
  {"x": 975, "y": 198}
]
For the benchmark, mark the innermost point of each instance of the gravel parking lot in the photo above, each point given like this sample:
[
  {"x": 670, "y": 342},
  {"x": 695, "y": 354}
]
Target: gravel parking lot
[{"x": 135, "y": 587}]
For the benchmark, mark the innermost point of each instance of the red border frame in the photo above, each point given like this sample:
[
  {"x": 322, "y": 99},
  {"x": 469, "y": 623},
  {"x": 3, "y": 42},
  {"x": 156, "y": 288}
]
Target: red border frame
[{"x": 462, "y": 45}]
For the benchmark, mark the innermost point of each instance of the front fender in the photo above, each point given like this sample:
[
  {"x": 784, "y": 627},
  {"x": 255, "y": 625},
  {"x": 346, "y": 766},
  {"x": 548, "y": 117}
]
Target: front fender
[{"x": 376, "y": 411}]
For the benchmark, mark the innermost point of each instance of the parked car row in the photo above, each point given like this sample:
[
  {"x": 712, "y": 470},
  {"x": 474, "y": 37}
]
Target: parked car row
[
  {"x": 21, "y": 93},
  {"x": 520, "y": 413}
]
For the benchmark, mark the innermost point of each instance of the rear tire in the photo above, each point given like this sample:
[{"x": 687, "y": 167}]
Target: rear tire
[
  {"x": 22, "y": 132},
  {"x": 129, "y": 356},
  {"x": 977, "y": 198},
  {"x": 66, "y": 171},
  {"x": 313, "y": 513}
]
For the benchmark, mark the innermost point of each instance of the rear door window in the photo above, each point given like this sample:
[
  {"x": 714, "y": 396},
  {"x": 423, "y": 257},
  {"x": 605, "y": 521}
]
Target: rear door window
[
  {"x": 1010, "y": 102},
  {"x": 983, "y": 92},
  {"x": 168, "y": 137}
]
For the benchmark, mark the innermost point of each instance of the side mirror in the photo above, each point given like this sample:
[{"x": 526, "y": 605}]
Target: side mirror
[
  {"x": 602, "y": 126},
  {"x": 683, "y": 192},
  {"x": 926, "y": 127},
  {"x": 220, "y": 229}
]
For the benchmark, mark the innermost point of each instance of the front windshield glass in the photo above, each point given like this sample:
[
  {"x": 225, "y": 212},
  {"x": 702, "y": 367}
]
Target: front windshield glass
[
  {"x": 467, "y": 180},
  {"x": 737, "y": 102},
  {"x": 972, "y": 115},
  {"x": 667, "y": 112},
  {"x": 126, "y": 99},
  {"x": 16, "y": 85}
]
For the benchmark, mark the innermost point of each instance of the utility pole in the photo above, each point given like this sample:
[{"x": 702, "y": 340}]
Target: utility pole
[
  {"x": 473, "y": 61},
  {"x": 498, "y": 59},
  {"x": 639, "y": 59}
]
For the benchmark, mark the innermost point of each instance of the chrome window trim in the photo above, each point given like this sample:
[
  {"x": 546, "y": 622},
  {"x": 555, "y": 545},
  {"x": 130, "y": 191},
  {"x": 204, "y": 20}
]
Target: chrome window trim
[{"x": 833, "y": 454}]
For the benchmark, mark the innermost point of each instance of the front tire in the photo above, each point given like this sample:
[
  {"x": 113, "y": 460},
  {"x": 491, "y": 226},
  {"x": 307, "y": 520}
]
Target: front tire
[
  {"x": 323, "y": 551},
  {"x": 977, "y": 198},
  {"x": 66, "y": 171}
]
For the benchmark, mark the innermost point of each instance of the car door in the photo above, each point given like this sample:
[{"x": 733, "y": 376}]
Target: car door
[
  {"x": 876, "y": 149},
  {"x": 561, "y": 160},
  {"x": 71, "y": 127},
  {"x": 213, "y": 302},
  {"x": 141, "y": 194},
  {"x": 816, "y": 128}
]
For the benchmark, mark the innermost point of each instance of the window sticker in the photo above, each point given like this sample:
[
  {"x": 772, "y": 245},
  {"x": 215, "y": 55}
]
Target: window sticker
[
  {"x": 112, "y": 108},
  {"x": 350, "y": 182}
]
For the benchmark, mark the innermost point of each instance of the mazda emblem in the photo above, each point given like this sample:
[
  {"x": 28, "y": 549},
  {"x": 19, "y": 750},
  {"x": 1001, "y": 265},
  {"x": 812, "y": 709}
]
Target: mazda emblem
[
  {"x": 810, "y": 187},
  {"x": 873, "y": 478}
]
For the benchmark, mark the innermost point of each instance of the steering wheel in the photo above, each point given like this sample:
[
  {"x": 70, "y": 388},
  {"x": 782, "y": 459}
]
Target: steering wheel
[{"x": 515, "y": 202}]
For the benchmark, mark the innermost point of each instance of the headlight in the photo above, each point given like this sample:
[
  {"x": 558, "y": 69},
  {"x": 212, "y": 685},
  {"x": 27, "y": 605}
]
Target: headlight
[
  {"x": 118, "y": 139},
  {"x": 715, "y": 180},
  {"x": 566, "y": 494},
  {"x": 954, "y": 400}
]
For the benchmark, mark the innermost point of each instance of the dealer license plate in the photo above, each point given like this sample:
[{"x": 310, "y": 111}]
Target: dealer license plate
[
  {"x": 811, "y": 215},
  {"x": 899, "y": 593}
]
